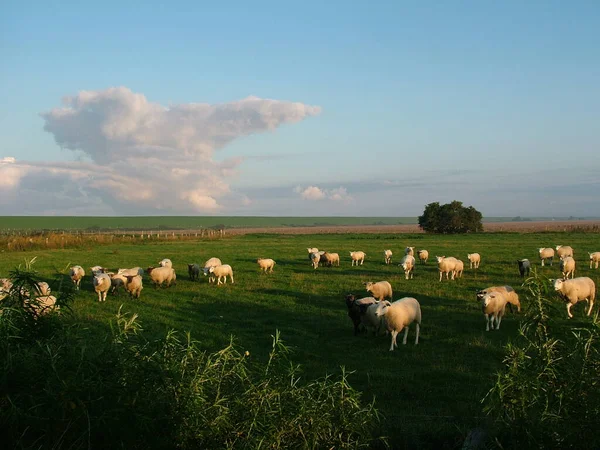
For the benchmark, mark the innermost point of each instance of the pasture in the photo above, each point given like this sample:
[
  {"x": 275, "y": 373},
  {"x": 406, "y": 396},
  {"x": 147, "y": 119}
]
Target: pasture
[{"x": 429, "y": 395}]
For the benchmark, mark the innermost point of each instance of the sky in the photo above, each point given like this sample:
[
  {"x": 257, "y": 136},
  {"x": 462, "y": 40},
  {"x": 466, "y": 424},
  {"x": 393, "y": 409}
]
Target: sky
[{"x": 275, "y": 108}]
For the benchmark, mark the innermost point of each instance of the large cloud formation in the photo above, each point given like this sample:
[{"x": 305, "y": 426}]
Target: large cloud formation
[{"x": 136, "y": 157}]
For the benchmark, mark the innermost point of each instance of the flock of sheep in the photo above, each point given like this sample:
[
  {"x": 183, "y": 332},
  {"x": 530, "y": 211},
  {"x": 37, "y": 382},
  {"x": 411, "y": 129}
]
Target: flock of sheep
[{"x": 374, "y": 312}]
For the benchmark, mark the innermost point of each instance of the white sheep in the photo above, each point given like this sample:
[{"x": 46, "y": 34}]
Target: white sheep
[
  {"x": 379, "y": 290},
  {"x": 474, "y": 260},
  {"x": 312, "y": 250},
  {"x": 315, "y": 258},
  {"x": 594, "y": 258},
  {"x": 423, "y": 256},
  {"x": 387, "y": 255},
  {"x": 358, "y": 257},
  {"x": 330, "y": 259},
  {"x": 493, "y": 305},
  {"x": 575, "y": 290},
  {"x": 76, "y": 273},
  {"x": 400, "y": 315},
  {"x": 459, "y": 267},
  {"x": 102, "y": 284},
  {"x": 166, "y": 263},
  {"x": 408, "y": 264},
  {"x": 133, "y": 271},
  {"x": 97, "y": 269},
  {"x": 212, "y": 262},
  {"x": 567, "y": 266},
  {"x": 447, "y": 266},
  {"x": 546, "y": 253},
  {"x": 42, "y": 305},
  {"x": 222, "y": 271},
  {"x": 564, "y": 250},
  {"x": 134, "y": 285},
  {"x": 409, "y": 251},
  {"x": 266, "y": 264},
  {"x": 369, "y": 318},
  {"x": 160, "y": 275},
  {"x": 42, "y": 288},
  {"x": 512, "y": 298}
]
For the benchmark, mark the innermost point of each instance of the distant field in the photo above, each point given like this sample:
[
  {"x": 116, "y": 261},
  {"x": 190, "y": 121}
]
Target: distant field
[{"x": 430, "y": 395}]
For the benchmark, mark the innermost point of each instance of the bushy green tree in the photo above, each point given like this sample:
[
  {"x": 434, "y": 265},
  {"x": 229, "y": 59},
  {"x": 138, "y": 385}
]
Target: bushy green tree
[{"x": 450, "y": 218}]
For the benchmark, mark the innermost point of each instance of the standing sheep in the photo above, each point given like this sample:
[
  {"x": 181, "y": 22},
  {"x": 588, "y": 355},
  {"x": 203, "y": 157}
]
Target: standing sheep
[
  {"x": 459, "y": 267},
  {"x": 474, "y": 260},
  {"x": 379, "y": 290},
  {"x": 76, "y": 273},
  {"x": 512, "y": 298},
  {"x": 546, "y": 253},
  {"x": 193, "y": 271},
  {"x": 117, "y": 280},
  {"x": 166, "y": 263},
  {"x": 564, "y": 250},
  {"x": 594, "y": 258},
  {"x": 357, "y": 311},
  {"x": 222, "y": 271},
  {"x": 409, "y": 251},
  {"x": 387, "y": 256},
  {"x": 447, "y": 266},
  {"x": 134, "y": 285},
  {"x": 524, "y": 267},
  {"x": 315, "y": 258},
  {"x": 369, "y": 318},
  {"x": 408, "y": 264},
  {"x": 133, "y": 271},
  {"x": 266, "y": 264},
  {"x": 160, "y": 275},
  {"x": 331, "y": 259},
  {"x": 423, "y": 256},
  {"x": 399, "y": 315},
  {"x": 102, "y": 284},
  {"x": 358, "y": 257},
  {"x": 575, "y": 290},
  {"x": 212, "y": 262},
  {"x": 493, "y": 305},
  {"x": 567, "y": 267}
]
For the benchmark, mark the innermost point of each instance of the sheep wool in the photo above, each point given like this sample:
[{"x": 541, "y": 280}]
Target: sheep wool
[{"x": 400, "y": 315}]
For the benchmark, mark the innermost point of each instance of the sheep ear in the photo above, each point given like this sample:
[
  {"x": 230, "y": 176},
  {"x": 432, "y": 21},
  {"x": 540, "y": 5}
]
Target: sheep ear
[{"x": 387, "y": 303}]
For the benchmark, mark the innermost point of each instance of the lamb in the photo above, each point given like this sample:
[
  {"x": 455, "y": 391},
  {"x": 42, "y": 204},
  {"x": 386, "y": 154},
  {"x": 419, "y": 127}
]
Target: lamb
[
  {"x": 423, "y": 256},
  {"x": 474, "y": 260},
  {"x": 160, "y": 275},
  {"x": 512, "y": 298},
  {"x": 222, "y": 271},
  {"x": 408, "y": 264},
  {"x": 546, "y": 253},
  {"x": 117, "y": 280},
  {"x": 133, "y": 271},
  {"x": 331, "y": 259},
  {"x": 564, "y": 250},
  {"x": 212, "y": 262},
  {"x": 358, "y": 257},
  {"x": 266, "y": 264},
  {"x": 575, "y": 290},
  {"x": 368, "y": 317},
  {"x": 387, "y": 255},
  {"x": 102, "y": 284},
  {"x": 409, "y": 251},
  {"x": 379, "y": 290},
  {"x": 166, "y": 263},
  {"x": 447, "y": 266},
  {"x": 193, "y": 271},
  {"x": 594, "y": 258},
  {"x": 493, "y": 306},
  {"x": 134, "y": 285},
  {"x": 315, "y": 258},
  {"x": 524, "y": 267},
  {"x": 400, "y": 315},
  {"x": 567, "y": 267},
  {"x": 76, "y": 273},
  {"x": 357, "y": 310}
]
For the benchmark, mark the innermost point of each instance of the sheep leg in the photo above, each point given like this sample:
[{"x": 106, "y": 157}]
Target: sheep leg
[
  {"x": 487, "y": 322},
  {"x": 417, "y": 338},
  {"x": 591, "y": 302},
  {"x": 441, "y": 273},
  {"x": 405, "y": 336},
  {"x": 394, "y": 334},
  {"x": 569, "y": 310},
  {"x": 231, "y": 276},
  {"x": 498, "y": 320}
]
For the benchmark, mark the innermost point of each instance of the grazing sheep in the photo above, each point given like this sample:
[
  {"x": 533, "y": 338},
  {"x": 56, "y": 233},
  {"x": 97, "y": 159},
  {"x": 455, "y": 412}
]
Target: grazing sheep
[
  {"x": 166, "y": 263},
  {"x": 546, "y": 253},
  {"x": 368, "y": 317},
  {"x": 575, "y": 290},
  {"x": 387, "y": 255},
  {"x": 408, "y": 264},
  {"x": 493, "y": 305},
  {"x": 133, "y": 271},
  {"x": 409, "y": 251},
  {"x": 315, "y": 258},
  {"x": 458, "y": 269},
  {"x": 512, "y": 298},
  {"x": 160, "y": 275},
  {"x": 76, "y": 273},
  {"x": 117, "y": 280},
  {"x": 567, "y": 267},
  {"x": 133, "y": 285},
  {"x": 524, "y": 267},
  {"x": 474, "y": 260},
  {"x": 330, "y": 259},
  {"x": 212, "y": 262},
  {"x": 564, "y": 250},
  {"x": 358, "y": 257},
  {"x": 594, "y": 258},
  {"x": 423, "y": 256},
  {"x": 357, "y": 310},
  {"x": 102, "y": 284},
  {"x": 222, "y": 271},
  {"x": 447, "y": 266},
  {"x": 379, "y": 290},
  {"x": 399, "y": 315},
  {"x": 193, "y": 271},
  {"x": 266, "y": 264}
]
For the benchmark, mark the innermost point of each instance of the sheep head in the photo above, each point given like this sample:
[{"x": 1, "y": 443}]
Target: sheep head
[{"x": 382, "y": 308}]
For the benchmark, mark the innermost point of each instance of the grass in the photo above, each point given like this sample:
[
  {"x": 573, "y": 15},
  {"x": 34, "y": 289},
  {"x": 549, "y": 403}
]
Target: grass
[{"x": 429, "y": 395}]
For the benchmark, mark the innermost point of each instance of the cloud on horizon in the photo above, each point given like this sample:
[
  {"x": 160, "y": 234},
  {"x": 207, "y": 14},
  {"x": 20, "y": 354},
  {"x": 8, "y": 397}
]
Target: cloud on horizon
[
  {"x": 339, "y": 194},
  {"x": 136, "y": 156}
]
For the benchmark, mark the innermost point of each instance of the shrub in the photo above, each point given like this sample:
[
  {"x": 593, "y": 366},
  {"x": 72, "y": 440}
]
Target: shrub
[{"x": 450, "y": 218}]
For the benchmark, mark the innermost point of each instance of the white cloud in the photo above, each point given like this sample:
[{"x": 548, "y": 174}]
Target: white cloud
[
  {"x": 141, "y": 156},
  {"x": 316, "y": 193}
]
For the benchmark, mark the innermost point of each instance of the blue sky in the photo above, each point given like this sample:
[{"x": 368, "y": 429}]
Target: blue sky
[{"x": 492, "y": 103}]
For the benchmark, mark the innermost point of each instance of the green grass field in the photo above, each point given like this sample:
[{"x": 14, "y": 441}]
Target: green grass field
[{"x": 430, "y": 395}]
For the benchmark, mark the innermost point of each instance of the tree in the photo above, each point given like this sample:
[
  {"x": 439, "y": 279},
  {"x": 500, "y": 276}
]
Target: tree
[{"x": 450, "y": 218}]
